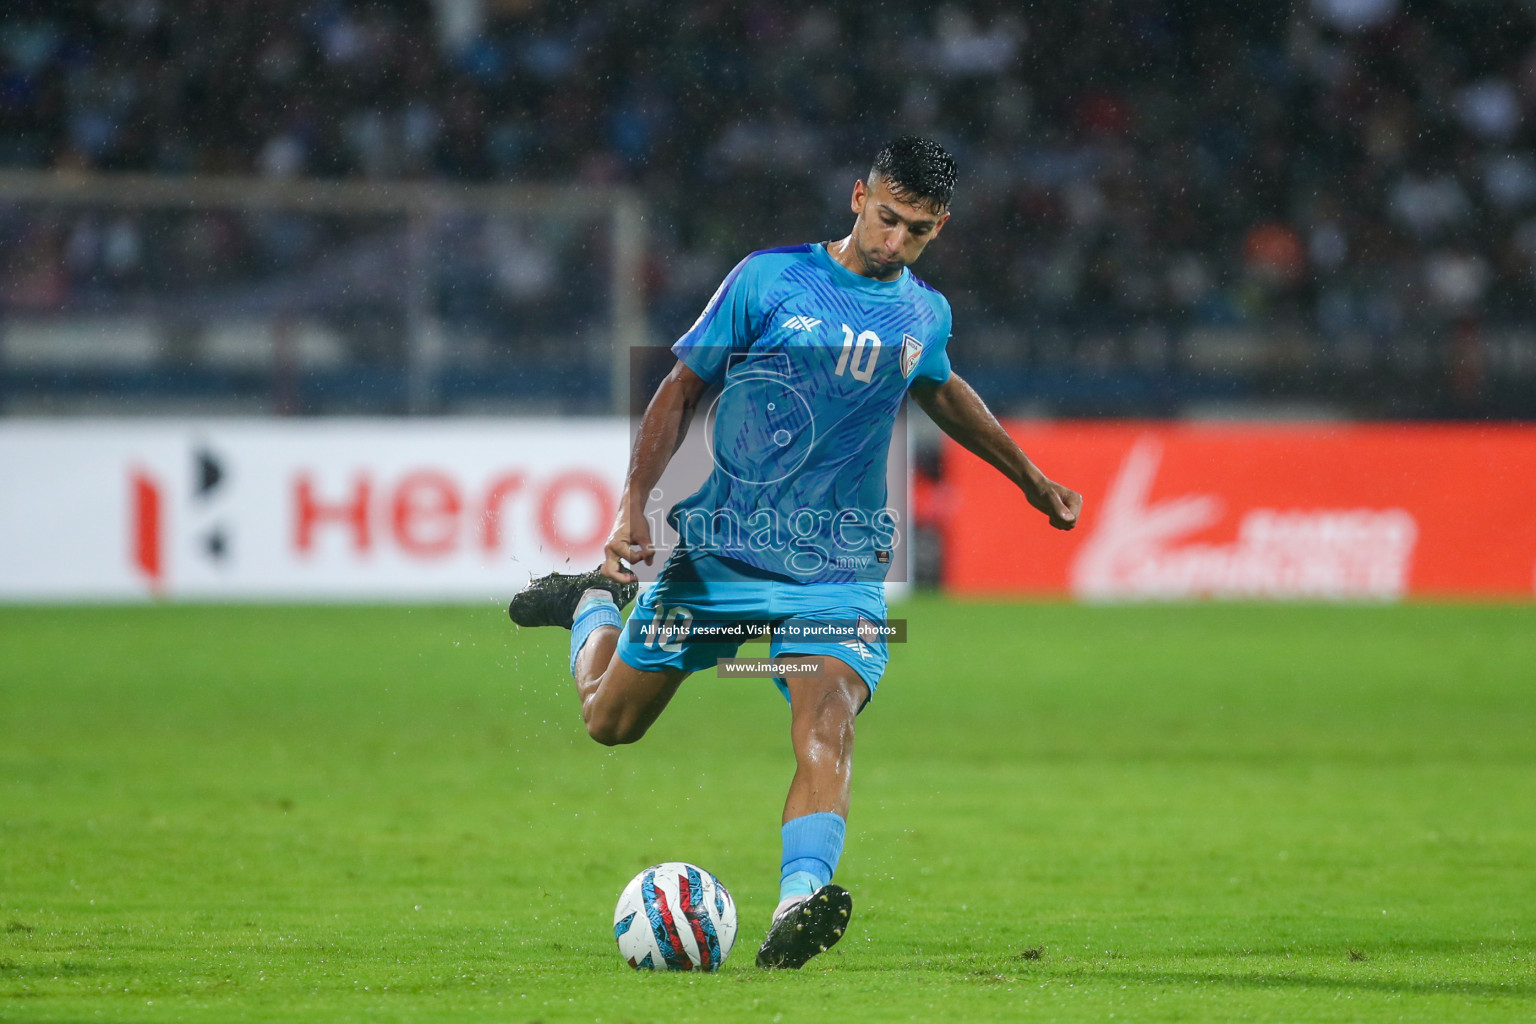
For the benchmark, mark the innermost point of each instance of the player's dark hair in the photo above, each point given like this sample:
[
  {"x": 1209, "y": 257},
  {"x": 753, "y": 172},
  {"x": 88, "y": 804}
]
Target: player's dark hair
[{"x": 917, "y": 171}]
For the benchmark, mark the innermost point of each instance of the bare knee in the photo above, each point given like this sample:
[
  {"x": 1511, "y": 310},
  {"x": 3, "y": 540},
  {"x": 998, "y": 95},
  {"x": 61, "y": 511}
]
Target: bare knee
[
  {"x": 613, "y": 730},
  {"x": 621, "y": 704},
  {"x": 825, "y": 733},
  {"x": 828, "y": 733}
]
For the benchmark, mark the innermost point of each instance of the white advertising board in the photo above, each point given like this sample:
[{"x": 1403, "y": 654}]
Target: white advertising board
[{"x": 307, "y": 510}]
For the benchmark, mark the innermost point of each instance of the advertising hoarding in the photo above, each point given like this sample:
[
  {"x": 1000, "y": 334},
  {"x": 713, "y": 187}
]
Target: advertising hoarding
[
  {"x": 1369, "y": 512},
  {"x": 330, "y": 509}
]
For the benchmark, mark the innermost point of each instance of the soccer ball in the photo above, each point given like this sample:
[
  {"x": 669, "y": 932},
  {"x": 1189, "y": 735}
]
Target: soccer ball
[{"x": 675, "y": 917}]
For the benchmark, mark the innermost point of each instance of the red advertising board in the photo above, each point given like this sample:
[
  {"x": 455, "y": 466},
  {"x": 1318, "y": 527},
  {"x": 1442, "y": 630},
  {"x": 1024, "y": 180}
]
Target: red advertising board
[{"x": 1176, "y": 511}]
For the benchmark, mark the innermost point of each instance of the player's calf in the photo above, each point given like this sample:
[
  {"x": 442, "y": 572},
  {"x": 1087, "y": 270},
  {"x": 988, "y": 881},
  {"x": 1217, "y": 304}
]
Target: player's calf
[{"x": 622, "y": 703}]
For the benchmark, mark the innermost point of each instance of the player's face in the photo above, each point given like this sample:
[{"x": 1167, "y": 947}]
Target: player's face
[{"x": 890, "y": 233}]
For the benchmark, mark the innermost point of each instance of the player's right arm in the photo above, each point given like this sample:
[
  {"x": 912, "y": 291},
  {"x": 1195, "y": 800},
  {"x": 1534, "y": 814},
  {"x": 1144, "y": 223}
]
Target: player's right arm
[
  {"x": 731, "y": 321},
  {"x": 661, "y": 433}
]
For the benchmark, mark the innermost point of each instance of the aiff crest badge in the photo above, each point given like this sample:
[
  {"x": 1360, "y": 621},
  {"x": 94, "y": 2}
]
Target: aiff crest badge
[{"x": 911, "y": 352}]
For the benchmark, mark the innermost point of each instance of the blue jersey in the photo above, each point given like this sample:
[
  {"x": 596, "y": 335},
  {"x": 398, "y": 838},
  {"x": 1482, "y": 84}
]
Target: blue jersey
[{"x": 813, "y": 362}]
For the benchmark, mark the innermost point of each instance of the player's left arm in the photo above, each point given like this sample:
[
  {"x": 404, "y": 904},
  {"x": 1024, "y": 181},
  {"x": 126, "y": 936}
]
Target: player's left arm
[{"x": 959, "y": 411}]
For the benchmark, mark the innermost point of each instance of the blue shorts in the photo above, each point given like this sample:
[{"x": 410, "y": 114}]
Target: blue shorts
[{"x": 706, "y": 588}]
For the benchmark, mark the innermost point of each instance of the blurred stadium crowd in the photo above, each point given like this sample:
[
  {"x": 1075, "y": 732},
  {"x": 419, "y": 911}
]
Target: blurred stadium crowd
[{"x": 1163, "y": 205}]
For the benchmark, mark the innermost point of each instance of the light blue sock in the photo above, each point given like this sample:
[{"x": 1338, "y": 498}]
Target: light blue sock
[
  {"x": 813, "y": 844},
  {"x": 597, "y": 610}
]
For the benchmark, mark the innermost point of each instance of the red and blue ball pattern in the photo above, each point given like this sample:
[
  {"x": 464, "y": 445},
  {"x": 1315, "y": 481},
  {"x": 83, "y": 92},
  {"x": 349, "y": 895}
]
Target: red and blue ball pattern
[{"x": 675, "y": 917}]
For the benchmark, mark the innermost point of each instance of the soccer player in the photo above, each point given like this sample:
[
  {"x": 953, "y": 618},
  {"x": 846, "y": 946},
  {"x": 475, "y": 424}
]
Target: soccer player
[{"x": 814, "y": 347}]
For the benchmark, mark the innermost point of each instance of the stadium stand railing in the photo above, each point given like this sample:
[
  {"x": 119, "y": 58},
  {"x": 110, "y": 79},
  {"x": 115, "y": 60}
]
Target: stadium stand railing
[{"x": 152, "y": 294}]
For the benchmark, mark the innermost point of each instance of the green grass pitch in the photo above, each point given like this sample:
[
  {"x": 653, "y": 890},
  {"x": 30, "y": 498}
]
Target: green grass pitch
[{"x": 1207, "y": 813}]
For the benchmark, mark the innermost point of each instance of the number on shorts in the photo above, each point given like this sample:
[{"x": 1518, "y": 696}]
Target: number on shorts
[{"x": 673, "y": 622}]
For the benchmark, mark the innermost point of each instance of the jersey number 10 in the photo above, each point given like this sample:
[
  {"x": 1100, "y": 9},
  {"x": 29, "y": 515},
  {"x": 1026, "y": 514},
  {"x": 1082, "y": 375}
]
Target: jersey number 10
[{"x": 854, "y": 350}]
